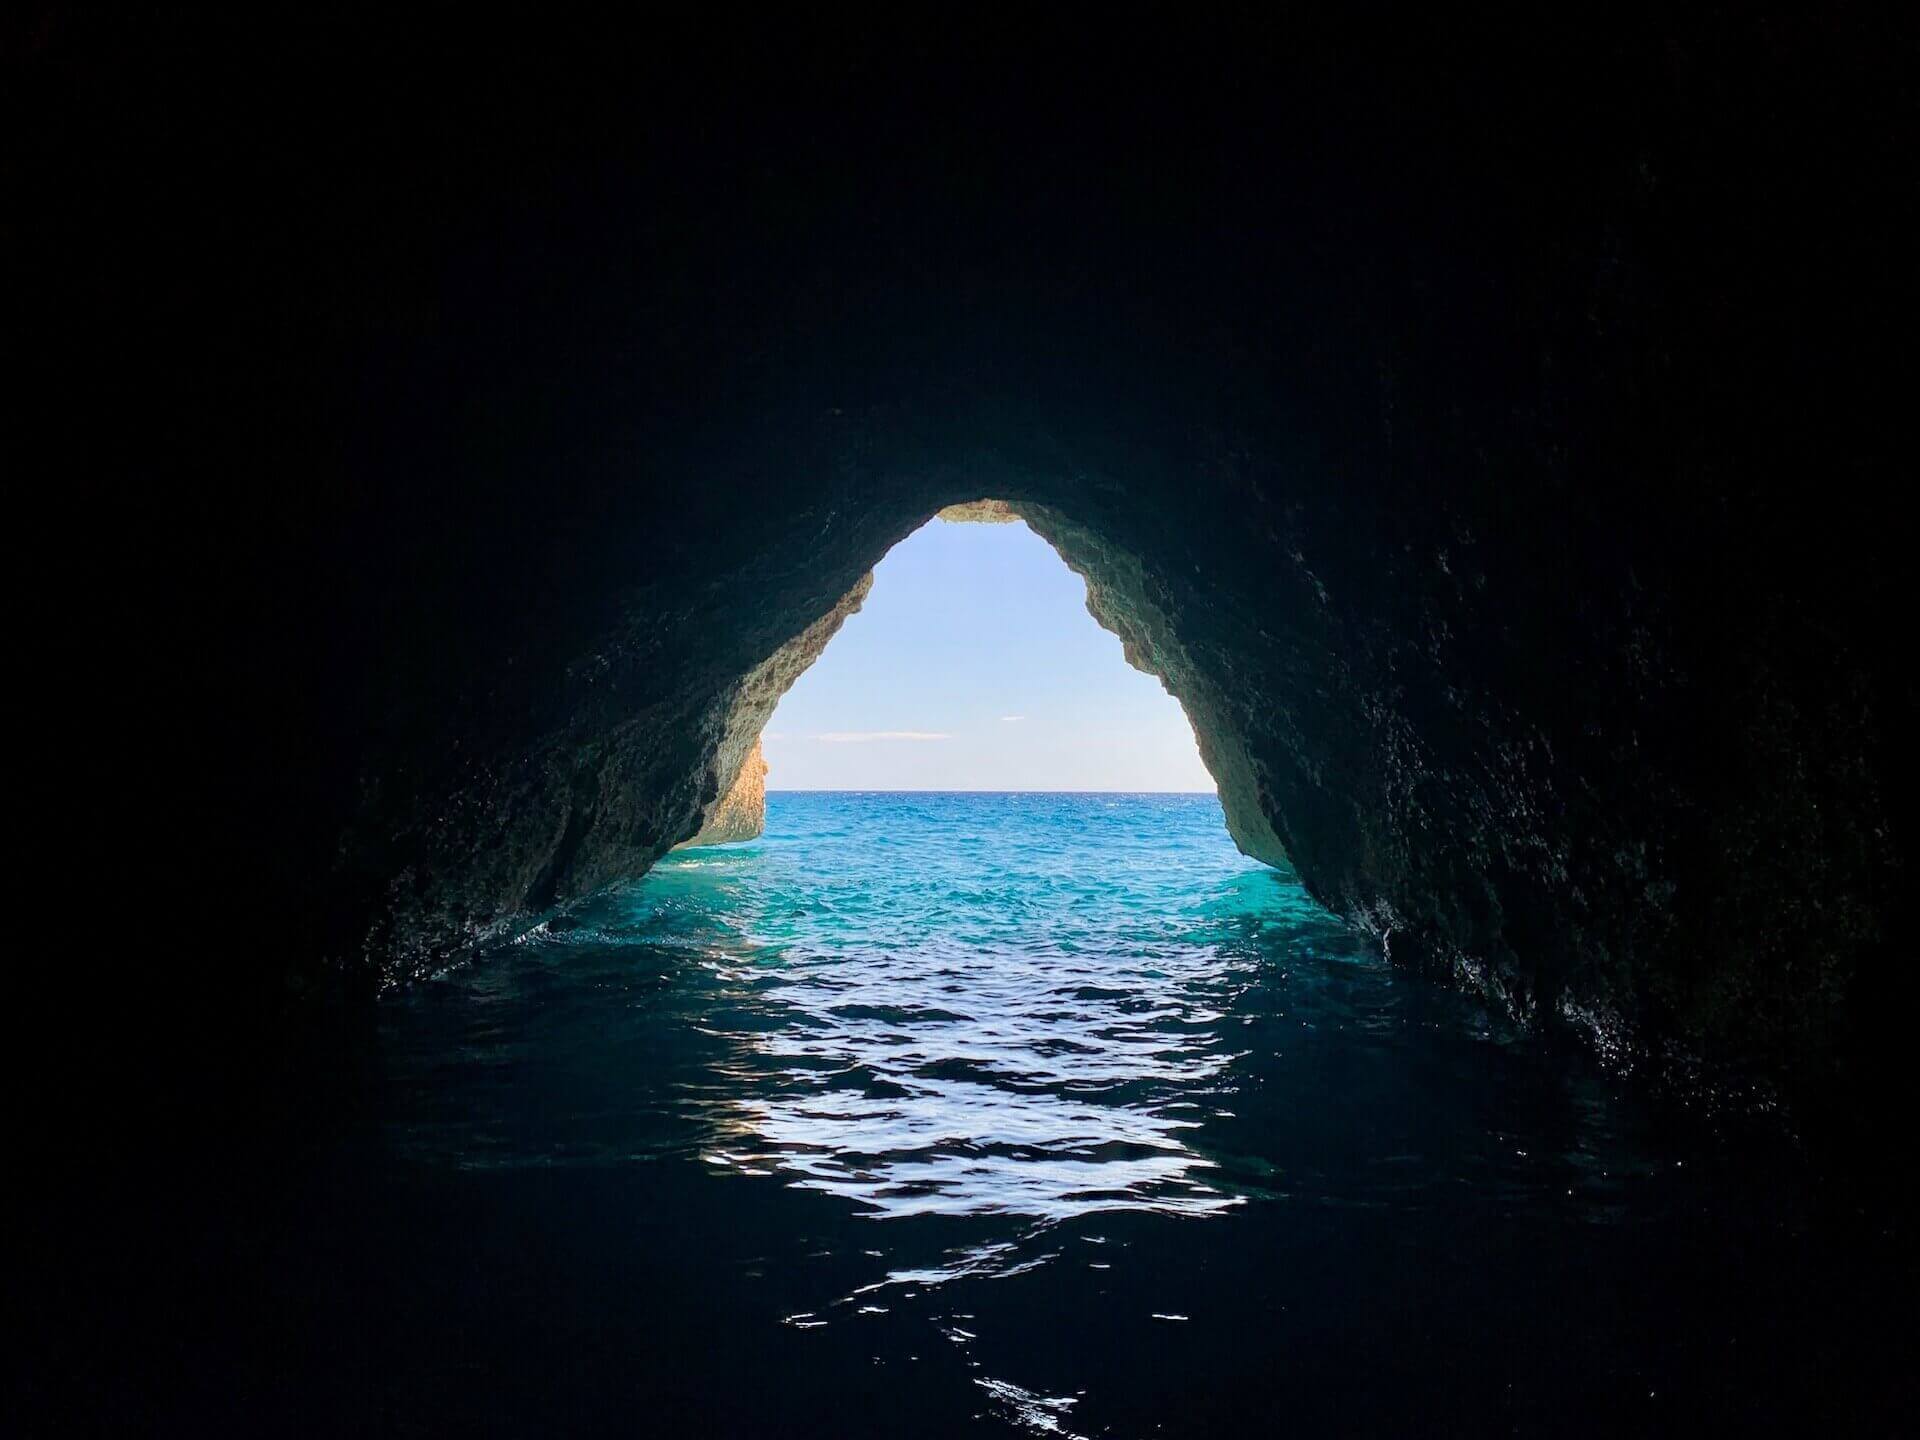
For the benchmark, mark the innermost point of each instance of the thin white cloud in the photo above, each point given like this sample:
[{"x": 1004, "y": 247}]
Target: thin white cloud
[
  {"x": 861, "y": 737},
  {"x": 1010, "y": 719}
]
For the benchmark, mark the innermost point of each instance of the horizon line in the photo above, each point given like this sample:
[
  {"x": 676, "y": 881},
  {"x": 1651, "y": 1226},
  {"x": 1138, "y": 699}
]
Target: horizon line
[{"x": 976, "y": 790}]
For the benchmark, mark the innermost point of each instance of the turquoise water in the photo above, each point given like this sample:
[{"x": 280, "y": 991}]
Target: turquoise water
[
  {"x": 946, "y": 1004},
  {"x": 996, "y": 1115}
]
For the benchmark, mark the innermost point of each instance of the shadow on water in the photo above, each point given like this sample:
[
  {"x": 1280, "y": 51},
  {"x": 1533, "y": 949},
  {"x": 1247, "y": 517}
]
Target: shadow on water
[{"x": 1016, "y": 1114}]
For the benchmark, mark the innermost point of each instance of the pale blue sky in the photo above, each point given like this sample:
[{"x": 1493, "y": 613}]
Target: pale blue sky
[{"x": 975, "y": 666}]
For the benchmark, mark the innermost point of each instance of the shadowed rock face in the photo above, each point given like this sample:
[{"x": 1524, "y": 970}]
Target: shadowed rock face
[
  {"x": 1123, "y": 597},
  {"x": 1504, "y": 774},
  {"x": 1483, "y": 435}
]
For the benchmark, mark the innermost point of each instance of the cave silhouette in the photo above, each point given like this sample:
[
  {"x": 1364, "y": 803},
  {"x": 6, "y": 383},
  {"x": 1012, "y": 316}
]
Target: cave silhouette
[
  {"x": 1484, "y": 431},
  {"x": 970, "y": 617},
  {"x": 447, "y": 440},
  {"x": 740, "y": 775},
  {"x": 1410, "y": 400}
]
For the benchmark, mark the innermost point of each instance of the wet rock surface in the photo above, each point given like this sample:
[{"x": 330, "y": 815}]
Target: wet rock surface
[{"x": 1484, "y": 435}]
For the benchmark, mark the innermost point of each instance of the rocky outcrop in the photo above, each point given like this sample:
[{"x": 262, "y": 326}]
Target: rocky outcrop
[
  {"x": 1121, "y": 597},
  {"x": 739, "y": 769},
  {"x": 615, "y": 783},
  {"x": 979, "y": 512},
  {"x": 739, "y": 814}
]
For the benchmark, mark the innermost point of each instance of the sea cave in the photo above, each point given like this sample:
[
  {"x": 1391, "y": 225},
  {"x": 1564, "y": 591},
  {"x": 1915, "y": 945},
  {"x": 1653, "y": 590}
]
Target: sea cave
[{"x": 461, "y": 441}]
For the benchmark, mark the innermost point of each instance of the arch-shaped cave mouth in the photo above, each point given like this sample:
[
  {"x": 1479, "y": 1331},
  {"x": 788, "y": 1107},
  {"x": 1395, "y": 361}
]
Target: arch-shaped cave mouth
[
  {"x": 1119, "y": 601},
  {"x": 992, "y": 881},
  {"x": 1483, "y": 430}
]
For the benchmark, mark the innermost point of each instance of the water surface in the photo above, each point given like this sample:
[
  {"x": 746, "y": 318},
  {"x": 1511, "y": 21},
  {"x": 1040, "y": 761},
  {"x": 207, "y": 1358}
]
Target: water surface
[{"x": 1007, "y": 1114}]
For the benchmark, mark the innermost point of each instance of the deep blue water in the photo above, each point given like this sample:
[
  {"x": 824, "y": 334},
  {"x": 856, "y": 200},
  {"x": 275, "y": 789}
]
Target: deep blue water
[{"x": 941, "y": 1115}]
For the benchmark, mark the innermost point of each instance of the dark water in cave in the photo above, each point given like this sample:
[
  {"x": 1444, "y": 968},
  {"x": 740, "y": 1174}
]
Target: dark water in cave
[{"x": 990, "y": 1114}]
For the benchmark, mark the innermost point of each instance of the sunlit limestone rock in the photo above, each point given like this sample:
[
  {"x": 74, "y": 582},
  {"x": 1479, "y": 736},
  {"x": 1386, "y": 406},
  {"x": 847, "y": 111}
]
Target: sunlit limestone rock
[
  {"x": 741, "y": 813},
  {"x": 980, "y": 512},
  {"x": 739, "y": 809}
]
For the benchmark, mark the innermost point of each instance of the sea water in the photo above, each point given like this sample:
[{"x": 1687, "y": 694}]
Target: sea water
[{"x": 977, "y": 1114}]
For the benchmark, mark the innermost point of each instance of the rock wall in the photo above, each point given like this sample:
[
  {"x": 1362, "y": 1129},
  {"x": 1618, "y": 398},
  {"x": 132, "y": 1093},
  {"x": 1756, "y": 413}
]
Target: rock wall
[
  {"x": 980, "y": 512},
  {"x": 739, "y": 814},
  {"x": 1125, "y": 601},
  {"x": 739, "y": 811},
  {"x": 613, "y": 784},
  {"x": 1484, "y": 431},
  {"x": 1121, "y": 599}
]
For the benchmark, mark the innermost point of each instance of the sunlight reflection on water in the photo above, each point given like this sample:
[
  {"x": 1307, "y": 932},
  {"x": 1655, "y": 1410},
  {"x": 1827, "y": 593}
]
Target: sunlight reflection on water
[
  {"x": 1042, "y": 1045},
  {"x": 980, "y": 1099}
]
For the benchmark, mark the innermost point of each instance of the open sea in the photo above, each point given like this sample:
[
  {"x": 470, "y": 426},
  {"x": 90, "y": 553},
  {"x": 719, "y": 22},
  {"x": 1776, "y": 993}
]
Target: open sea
[{"x": 997, "y": 1114}]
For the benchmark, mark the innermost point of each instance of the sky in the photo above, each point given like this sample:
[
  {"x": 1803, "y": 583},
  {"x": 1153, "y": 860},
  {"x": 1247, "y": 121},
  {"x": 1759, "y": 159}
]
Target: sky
[{"x": 974, "y": 665}]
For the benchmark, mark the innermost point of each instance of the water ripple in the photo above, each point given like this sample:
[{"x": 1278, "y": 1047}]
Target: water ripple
[
  {"x": 982, "y": 1124},
  {"x": 918, "y": 1026},
  {"x": 1040, "y": 1054}
]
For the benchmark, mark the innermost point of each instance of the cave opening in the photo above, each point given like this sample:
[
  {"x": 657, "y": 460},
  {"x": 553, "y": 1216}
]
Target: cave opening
[
  {"x": 977, "y": 656},
  {"x": 459, "y": 442},
  {"x": 972, "y": 664},
  {"x": 976, "y": 838},
  {"x": 975, "y": 889}
]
